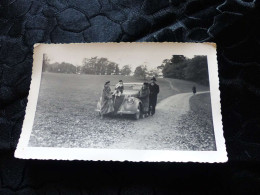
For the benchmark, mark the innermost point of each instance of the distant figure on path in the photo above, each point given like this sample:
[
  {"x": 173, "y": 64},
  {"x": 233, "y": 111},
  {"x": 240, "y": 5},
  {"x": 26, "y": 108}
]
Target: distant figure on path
[
  {"x": 144, "y": 97},
  {"x": 107, "y": 105},
  {"x": 154, "y": 90},
  {"x": 194, "y": 90}
]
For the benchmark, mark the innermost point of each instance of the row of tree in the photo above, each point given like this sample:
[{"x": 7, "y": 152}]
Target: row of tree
[
  {"x": 102, "y": 66},
  {"x": 180, "y": 67},
  {"x": 142, "y": 72},
  {"x": 57, "y": 67},
  {"x": 61, "y": 68},
  {"x": 94, "y": 65}
]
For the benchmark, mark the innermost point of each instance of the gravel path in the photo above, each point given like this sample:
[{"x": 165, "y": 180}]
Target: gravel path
[{"x": 162, "y": 130}]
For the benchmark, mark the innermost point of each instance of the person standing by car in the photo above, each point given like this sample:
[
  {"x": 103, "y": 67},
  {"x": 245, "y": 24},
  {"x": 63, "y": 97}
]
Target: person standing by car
[
  {"x": 154, "y": 90},
  {"x": 118, "y": 99},
  {"x": 107, "y": 105},
  {"x": 144, "y": 97}
]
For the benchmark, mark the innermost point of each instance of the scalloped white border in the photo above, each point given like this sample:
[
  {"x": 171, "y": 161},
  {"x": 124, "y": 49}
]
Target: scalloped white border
[{"x": 23, "y": 151}]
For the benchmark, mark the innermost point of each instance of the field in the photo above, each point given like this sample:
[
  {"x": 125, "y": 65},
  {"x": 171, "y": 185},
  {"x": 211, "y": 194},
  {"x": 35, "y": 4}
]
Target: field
[
  {"x": 197, "y": 123},
  {"x": 65, "y": 114}
]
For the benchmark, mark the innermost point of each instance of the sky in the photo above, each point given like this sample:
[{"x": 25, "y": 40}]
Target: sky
[{"x": 122, "y": 53}]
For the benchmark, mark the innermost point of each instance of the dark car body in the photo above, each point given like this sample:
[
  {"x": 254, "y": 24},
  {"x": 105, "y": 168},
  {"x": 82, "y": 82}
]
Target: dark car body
[{"x": 128, "y": 102}]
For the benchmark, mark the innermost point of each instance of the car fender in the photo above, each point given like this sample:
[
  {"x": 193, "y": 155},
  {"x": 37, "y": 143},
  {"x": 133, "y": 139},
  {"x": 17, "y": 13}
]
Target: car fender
[
  {"x": 126, "y": 108},
  {"x": 138, "y": 102}
]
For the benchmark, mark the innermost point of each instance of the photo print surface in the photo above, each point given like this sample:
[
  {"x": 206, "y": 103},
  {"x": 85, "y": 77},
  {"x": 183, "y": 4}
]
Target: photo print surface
[{"x": 147, "y": 101}]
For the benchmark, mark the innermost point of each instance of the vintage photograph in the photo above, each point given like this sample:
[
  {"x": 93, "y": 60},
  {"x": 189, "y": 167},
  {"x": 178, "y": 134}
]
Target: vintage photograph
[{"x": 124, "y": 97}]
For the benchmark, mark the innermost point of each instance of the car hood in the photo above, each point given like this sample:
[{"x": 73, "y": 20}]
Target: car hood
[{"x": 130, "y": 92}]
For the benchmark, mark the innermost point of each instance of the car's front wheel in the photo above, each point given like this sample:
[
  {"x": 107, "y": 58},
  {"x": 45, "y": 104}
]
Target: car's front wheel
[{"x": 138, "y": 113}]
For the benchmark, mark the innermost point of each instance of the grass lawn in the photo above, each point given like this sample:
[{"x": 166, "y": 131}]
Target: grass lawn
[
  {"x": 66, "y": 114},
  {"x": 197, "y": 124},
  {"x": 201, "y": 103}
]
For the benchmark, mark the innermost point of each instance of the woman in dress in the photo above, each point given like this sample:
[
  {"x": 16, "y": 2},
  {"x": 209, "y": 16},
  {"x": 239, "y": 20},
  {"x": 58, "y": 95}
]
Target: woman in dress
[
  {"x": 106, "y": 100},
  {"x": 144, "y": 97},
  {"x": 118, "y": 98}
]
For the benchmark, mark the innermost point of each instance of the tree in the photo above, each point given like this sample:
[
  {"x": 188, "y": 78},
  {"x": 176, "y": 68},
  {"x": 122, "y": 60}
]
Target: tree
[
  {"x": 141, "y": 72},
  {"x": 117, "y": 71},
  {"x": 52, "y": 67},
  {"x": 99, "y": 66},
  {"x": 154, "y": 72},
  {"x": 78, "y": 69},
  {"x": 45, "y": 62},
  {"x": 67, "y": 68},
  {"x": 88, "y": 65},
  {"x": 111, "y": 68},
  {"x": 103, "y": 64},
  {"x": 197, "y": 70},
  {"x": 176, "y": 59},
  {"x": 180, "y": 67},
  {"x": 174, "y": 67},
  {"x": 63, "y": 67},
  {"x": 126, "y": 70}
]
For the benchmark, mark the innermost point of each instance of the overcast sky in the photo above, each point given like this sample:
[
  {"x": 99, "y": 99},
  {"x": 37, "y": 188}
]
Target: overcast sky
[{"x": 123, "y": 54}]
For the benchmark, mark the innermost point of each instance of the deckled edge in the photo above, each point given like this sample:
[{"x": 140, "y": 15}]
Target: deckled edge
[
  {"x": 222, "y": 127},
  {"x": 21, "y": 143},
  {"x": 213, "y": 44},
  {"x": 37, "y": 45}
]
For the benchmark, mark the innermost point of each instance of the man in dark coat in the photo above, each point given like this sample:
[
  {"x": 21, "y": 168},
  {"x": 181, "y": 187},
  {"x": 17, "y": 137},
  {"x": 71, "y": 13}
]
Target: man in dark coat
[{"x": 154, "y": 90}]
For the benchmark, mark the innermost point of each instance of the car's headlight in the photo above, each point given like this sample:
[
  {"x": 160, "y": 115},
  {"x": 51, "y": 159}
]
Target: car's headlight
[{"x": 130, "y": 100}]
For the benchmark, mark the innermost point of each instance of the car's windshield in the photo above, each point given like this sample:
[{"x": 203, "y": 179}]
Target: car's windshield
[{"x": 135, "y": 87}]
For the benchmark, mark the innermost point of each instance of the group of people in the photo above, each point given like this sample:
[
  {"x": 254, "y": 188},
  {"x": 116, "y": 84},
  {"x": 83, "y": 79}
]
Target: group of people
[{"x": 147, "y": 94}]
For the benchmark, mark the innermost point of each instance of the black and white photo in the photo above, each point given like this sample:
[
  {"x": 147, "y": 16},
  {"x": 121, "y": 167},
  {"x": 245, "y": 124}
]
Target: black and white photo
[{"x": 124, "y": 101}]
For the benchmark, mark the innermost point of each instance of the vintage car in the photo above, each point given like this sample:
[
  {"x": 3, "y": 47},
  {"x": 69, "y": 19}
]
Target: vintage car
[{"x": 127, "y": 102}]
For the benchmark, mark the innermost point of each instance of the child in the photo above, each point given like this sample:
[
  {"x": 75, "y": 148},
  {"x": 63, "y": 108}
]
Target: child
[{"x": 119, "y": 88}]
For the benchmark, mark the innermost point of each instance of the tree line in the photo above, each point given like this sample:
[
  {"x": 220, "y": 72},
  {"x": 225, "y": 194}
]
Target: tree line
[
  {"x": 180, "y": 67},
  {"x": 102, "y": 66},
  {"x": 141, "y": 72},
  {"x": 94, "y": 66},
  {"x": 177, "y": 67}
]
